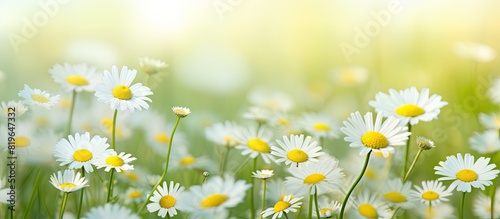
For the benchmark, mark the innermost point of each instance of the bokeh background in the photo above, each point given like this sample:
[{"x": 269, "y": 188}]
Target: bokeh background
[{"x": 219, "y": 51}]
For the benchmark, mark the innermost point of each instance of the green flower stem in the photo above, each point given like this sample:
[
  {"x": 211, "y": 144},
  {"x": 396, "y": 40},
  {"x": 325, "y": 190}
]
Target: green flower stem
[
  {"x": 252, "y": 204},
  {"x": 286, "y": 216},
  {"x": 344, "y": 204},
  {"x": 407, "y": 152},
  {"x": 79, "y": 210},
  {"x": 223, "y": 162},
  {"x": 242, "y": 164},
  {"x": 316, "y": 202},
  {"x": 63, "y": 205},
  {"x": 395, "y": 212},
  {"x": 311, "y": 199},
  {"x": 32, "y": 198},
  {"x": 263, "y": 198},
  {"x": 462, "y": 202},
  {"x": 167, "y": 159},
  {"x": 492, "y": 198},
  {"x": 110, "y": 187},
  {"x": 113, "y": 130},
  {"x": 412, "y": 164},
  {"x": 71, "y": 109}
]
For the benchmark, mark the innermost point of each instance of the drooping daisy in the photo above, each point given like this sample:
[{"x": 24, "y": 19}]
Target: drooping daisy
[
  {"x": 110, "y": 211},
  {"x": 112, "y": 160},
  {"x": 68, "y": 181},
  {"x": 165, "y": 199},
  {"x": 181, "y": 111},
  {"x": 466, "y": 172},
  {"x": 328, "y": 209},
  {"x": 486, "y": 142},
  {"x": 288, "y": 204},
  {"x": 408, "y": 105},
  {"x": 397, "y": 193},
  {"x": 296, "y": 149},
  {"x": 368, "y": 205},
  {"x": 76, "y": 78},
  {"x": 255, "y": 142},
  {"x": 80, "y": 151},
  {"x": 213, "y": 197},
  {"x": 482, "y": 205},
  {"x": 490, "y": 121},
  {"x": 222, "y": 133},
  {"x": 319, "y": 177},
  {"x": 38, "y": 97},
  {"x": 116, "y": 91},
  {"x": 12, "y": 106},
  {"x": 263, "y": 174},
  {"x": 319, "y": 125},
  {"x": 475, "y": 51},
  {"x": 432, "y": 192},
  {"x": 374, "y": 135}
]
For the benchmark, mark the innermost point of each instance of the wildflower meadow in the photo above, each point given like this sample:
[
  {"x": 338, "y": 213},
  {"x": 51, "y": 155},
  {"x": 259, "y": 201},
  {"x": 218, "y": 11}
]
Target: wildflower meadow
[{"x": 249, "y": 110}]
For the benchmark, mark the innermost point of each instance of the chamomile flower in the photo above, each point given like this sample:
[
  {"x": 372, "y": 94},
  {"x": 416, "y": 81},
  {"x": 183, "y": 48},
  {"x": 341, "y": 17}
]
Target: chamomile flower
[
  {"x": 12, "y": 106},
  {"x": 110, "y": 211},
  {"x": 466, "y": 172},
  {"x": 432, "y": 192},
  {"x": 165, "y": 199},
  {"x": 319, "y": 125},
  {"x": 377, "y": 136},
  {"x": 274, "y": 101},
  {"x": 213, "y": 197},
  {"x": 182, "y": 159},
  {"x": 370, "y": 206},
  {"x": 486, "y": 142},
  {"x": 112, "y": 160},
  {"x": 482, "y": 205},
  {"x": 288, "y": 204},
  {"x": 68, "y": 181},
  {"x": 408, "y": 105},
  {"x": 222, "y": 133},
  {"x": 79, "y": 77},
  {"x": 349, "y": 76},
  {"x": 80, "y": 151},
  {"x": 181, "y": 111},
  {"x": 263, "y": 174},
  {"x": 38, "y": 97},
  {"x": 259, "y": 114},
  {"x": 134, "y": 195},
  {"x": 116, "y": 90},
  {"x": 296, "y": 149},
  {"x": 276, "y": 190},
  {"x": 255, "y": 142},
  {"x": 152, "y": 67},
  {"x": 424, "y": 143},
  {"x": 319, "y": 177},
  {"x": 397, "y": 193},
  {"x": 490, "y": 121},
  {"x": 328, "y": 209},
  {"x": 440, "y": 211}
]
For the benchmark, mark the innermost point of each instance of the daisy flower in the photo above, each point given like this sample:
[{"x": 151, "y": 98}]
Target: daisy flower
[
  {"x": 260, "y": 114},
  {"x": 182, "y": 159},
  {"x": 370, "y": 206},
  {"x": 181, "y": 111},
  {"x": 165, "y": 198},
  {"x": 328, "y": 209},
  {"x": 296, "y": 149},
  {"x": 490, "y": 121},
  {"x": 134, "y": 195},
  {"x": 319, "y": 177},
  {"x": 482, "y": 205},
  {"x": 319, "y": 125},
  {"x": 424, "y": 143},
  {"x": 76, "y": 78},
  {"x": 116, "y": 91},
  {"x": 110, "y": 211},
  {"x": 68, "y": 181},
  {"x": 440, "y": 211},
  {"x": 409, "y": 105},
  {"x": 276, "y": 190},
  {"x": 213, "y": 197},
  {"x": 112, "y": 160},
  {"x": 81, "y": 151},
  {"x": 222, "y": 133},
  {"x": 466, "y": 172},
  {"x": 397, "y": 193},
  {"x": 38, "y": 97},
  {"x": 263, "y": 174},
  {"x": 288, "y": 204},
  {"x": 432, "y": 192},
  {"x": 376, "y": 136},
  {"x": 255, "y": 142},
  {"x": 486, "y": 142},
  {"x": 18, "y": 106},
  {"x": 274, "y": 101},
  {"x": 152, "y": 67},
  {"x": 349, "y": 76}
]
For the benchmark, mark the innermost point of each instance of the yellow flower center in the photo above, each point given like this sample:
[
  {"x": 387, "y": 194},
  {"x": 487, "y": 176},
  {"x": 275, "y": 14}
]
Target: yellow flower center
[
  {"x": 77, "y": 80},
  {"x": 82, "y": 155},
  {"x": 370, "y": 173},
  {"x": 323, "y": 211},
  {"x": 297, "y": 155},
  {"x": 258, "y": 145},
  {"x": 114, "y": 161},
  {"x": 21, "y": 141},
  {"x": 67, "y": 185},
  {"x": 162, "y": 138},
  {"x": 135, "y": 194},
  {"x": 467, "y": 175},
  {"x": 39, "y": 98},
  {"x": 321, "y": 127},
  {"x": 430, "y": 195},
  {"x": 283, "y": 122},
  {"x": 281, "y": 205},
  {"x": 367, "y": 210},
  {"x": 132, "y": 176},
  {"x": 395, "y": 197},
  {"x": 314, "y": 178},
  {"x": 229, "y": 140},
  {"x": 374, "y": 140},
  {"x": 167, "y": 201},
  {"x": 42, "y": 121},
  {"x": 187, "y": 160},
  {"x": 410, "y": 110},
  {"x": 107, "y": 123},
  {"x": 213, "y": 200},
  {"x": 122, "y": 92}
]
